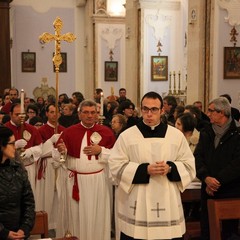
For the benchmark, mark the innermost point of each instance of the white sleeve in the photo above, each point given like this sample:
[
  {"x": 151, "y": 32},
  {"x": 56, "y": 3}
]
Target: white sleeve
[
  {"x": 104, "y": 155},
  {"x": 36, "y": 152}
]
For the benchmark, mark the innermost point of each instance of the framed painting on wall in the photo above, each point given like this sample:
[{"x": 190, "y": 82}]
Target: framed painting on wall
[
  {"x": 159, "y": 68},
  {"x": 63, "y": 65},
  {"x": 231, "y": 63},
  {"x": 28, "y": 62},
  {"x": 111, "y": 71}
]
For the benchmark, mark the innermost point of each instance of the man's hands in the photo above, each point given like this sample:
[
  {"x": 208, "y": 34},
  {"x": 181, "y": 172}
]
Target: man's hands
[
  {"x": 158, "y": 168},
  {"x": 212, "y": 185},
  {"x": 21, "y": 143},
  {"x": 26, "y": 154},
  {"x": 16, "y": 235},
  {"x": 61, "y": 147},
  {"x": 93, "y": 149}
]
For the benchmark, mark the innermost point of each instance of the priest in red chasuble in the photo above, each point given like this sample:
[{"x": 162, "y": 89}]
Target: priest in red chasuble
[
  {"x": 87, "y": 145},
  {"x": 46, "y": 191},
  {"x": 28, "y": 141}
]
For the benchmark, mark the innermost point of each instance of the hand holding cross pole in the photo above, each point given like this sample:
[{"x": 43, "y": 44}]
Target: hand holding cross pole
[{"x": 57, "y": 58}]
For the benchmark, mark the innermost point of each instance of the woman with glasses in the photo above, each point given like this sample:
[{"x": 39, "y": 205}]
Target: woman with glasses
[
  {"x": 126, "y": 109},
  {"x": 32, "y": 111},
  {"x": 16, "y": 197}
]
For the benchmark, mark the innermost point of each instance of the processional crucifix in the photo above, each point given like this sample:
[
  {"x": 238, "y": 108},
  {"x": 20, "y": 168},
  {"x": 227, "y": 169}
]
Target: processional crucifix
[{"x": 57, "y": 58}]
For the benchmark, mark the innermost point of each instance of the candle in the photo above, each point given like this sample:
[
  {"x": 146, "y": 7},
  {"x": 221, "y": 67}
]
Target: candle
[
  {"x": 22, "y": 101},
  {"x": 101, "y": 109}
]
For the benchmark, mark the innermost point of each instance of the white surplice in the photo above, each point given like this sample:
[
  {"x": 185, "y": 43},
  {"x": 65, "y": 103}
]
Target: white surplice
[{"x": 152, "y": 210}]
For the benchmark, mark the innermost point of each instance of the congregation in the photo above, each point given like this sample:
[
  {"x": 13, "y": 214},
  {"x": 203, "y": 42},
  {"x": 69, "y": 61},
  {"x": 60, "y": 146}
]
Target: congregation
[{"x": 88, "y": 166}]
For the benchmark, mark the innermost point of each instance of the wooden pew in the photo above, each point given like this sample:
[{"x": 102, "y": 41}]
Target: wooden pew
[
  {"x": 221, "y": 209},
  {"x": 193, "y": 229},
  {"x": 41, "y": 224}
]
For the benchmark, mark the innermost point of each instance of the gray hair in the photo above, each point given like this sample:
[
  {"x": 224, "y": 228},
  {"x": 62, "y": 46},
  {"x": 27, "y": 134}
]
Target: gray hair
[
  {"x": 222, "y": 104},
  {"x": 87, "y": 103}
]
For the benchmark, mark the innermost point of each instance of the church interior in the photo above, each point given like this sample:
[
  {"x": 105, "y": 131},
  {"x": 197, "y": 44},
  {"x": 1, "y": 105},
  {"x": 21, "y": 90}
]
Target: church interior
[
  {"x": 192, "y": 41},
  {"x": 189, "y": 49}
]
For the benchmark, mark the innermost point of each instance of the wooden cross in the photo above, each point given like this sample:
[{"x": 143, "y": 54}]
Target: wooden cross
[
  {"x": 158, "y": 209},
  {"x": 57, "y": 58},
  {"x": 134, "y": 208}
]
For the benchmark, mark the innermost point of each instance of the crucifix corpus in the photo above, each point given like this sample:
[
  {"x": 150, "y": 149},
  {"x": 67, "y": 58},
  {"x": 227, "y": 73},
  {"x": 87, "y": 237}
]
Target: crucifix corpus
[{"x": 57, "y": 58}]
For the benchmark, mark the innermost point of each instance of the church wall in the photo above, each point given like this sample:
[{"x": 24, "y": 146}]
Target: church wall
[
  {"x": 166, "y": 23},
  {"x": 196, "y": 51},
  {"x": 221, "y": 39},
  {"x": 110, "y": 36},
  {"x": 30, "y": 18},
  {"x": 28, "y": 23}
]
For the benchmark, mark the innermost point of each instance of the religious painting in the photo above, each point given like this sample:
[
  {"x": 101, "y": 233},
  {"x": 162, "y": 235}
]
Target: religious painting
[
  {"x": 111, "y": 71},
  {"x": 231, "y": 63},
  {"x": 28, "y": 62},
  {"x": 63, "y": 65},
  {"x": 159, "y": 68}
]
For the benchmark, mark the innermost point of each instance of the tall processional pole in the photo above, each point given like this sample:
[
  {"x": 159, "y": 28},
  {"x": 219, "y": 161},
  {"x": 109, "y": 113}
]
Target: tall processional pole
[{"x": 57, "y": 60}]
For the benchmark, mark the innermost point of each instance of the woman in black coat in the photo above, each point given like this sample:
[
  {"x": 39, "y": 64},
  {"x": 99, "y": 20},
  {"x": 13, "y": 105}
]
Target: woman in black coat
[{"x": 17, "y": 204}]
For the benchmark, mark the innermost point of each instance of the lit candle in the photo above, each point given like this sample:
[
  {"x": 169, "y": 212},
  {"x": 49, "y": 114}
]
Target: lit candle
[
  {"x": 22, "y": 101},
  {"x": 101, "y": 109}
]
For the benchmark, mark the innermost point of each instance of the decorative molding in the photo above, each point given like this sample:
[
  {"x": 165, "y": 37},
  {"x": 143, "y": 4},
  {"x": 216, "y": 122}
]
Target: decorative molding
[
  {"x": 101, "y": 7},
  {"x": 111, "y": 35},
  {"x": 159, "y": 23},
  {"x": 107, "y": 19},
  {"x": 44, "y": 90},
  {"x": 160, "y": 4},
  {"x": 233, "y": 9}
]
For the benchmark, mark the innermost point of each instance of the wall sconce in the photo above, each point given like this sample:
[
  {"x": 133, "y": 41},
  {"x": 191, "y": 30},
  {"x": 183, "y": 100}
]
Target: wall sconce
[{"x": 193, "y": 16}]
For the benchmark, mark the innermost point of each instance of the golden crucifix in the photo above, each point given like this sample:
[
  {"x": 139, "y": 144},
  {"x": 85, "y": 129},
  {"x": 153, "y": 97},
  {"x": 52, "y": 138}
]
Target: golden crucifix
[{"x": 57, "y": 37}]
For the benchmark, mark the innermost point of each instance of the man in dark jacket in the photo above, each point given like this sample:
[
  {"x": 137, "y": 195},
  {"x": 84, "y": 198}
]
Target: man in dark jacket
[{"x": 218, "y": 162}]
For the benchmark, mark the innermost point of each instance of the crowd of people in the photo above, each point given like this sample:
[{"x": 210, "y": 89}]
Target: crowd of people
[{"x": 66, "y": 158}]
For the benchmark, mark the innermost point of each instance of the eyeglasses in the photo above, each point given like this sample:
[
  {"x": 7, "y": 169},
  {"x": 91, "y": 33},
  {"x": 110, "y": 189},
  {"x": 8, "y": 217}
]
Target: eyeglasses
[
  {"x": 213, "y": 110},
  {"x": 31, "y": 112},
  {"x": 11, "y": 143},
  {"x": 153, "y": 110},
  {"x": 87, "y": 112}
]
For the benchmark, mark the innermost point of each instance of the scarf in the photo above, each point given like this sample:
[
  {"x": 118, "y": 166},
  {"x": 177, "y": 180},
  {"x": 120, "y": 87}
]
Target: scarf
[{"x": 220, "y": 131}]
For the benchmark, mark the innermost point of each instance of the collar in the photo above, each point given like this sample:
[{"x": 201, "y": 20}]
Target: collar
[
  {"x": 152, "y": 127},
  {"x": 13, "y": 123},
  {"x": 86, "y": 126},
  {"x": 51, "y": 125},
  {"x": 159, "y": 130}
]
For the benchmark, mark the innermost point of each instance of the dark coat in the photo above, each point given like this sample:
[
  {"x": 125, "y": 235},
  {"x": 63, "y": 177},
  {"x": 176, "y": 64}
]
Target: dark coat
[
  {"x": 16, "y": 200},
  {"x": 222, "y": 163}
]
